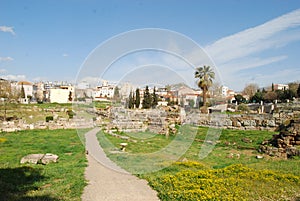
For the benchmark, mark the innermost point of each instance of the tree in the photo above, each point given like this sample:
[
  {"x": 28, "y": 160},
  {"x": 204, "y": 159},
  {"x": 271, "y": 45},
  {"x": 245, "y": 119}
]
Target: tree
[
  {"x": 191, "y": 103},
  {"x": 116, "y": 93},
  {"x": 257, "y": 98},
  {"x": 146, "y": 104},
  {"x": 131, "y": 101},
  {"x": 137, "y": 98},
  {"x": 39, "y": 95},
  {"x": 22, "y": 92},
  {"x": 289, "y": 94},
  {"x": 298, "y": 91},
  {"x": 70, "y": 96},
  {"x": 154, "y": 102},
  {"x": 270, "y": 96},
  {"x": 205, "y": 77},
  {"x": 250, "y": 90},
  {"x": 293, "y": 86},
  {"x": 240, "y": 99},
  {"x": 273, "y": 86}
]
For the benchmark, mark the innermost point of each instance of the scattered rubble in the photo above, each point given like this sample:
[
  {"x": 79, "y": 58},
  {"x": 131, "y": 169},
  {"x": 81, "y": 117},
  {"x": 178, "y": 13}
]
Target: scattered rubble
[{"x": 287, "y": 143}]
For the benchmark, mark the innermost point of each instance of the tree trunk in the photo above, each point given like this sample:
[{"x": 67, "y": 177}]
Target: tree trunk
[{"x": 204, "y": 96}]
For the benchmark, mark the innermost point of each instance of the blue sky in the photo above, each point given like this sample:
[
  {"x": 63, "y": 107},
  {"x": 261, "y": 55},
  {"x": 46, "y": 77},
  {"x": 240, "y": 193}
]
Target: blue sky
[{"x": 249, "y": 41}]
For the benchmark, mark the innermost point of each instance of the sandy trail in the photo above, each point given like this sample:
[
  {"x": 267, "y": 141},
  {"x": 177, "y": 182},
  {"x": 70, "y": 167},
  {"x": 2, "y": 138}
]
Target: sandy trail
[{"x": 109, "y": 182}]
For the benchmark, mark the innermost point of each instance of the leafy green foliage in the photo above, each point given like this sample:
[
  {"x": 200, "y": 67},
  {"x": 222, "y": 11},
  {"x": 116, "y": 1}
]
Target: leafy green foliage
[
  {"x": 205, "y": 77},
  {"x": 240, "y": 99},
  {"x": 49, "y": 118},
  {"x": 236, "y": 182},
  {"x": 154, "y": 102},
  {"x": 147, "y": 101},
  {"x": 243, "y": 107},
  {"x": 137, "y": 98}
]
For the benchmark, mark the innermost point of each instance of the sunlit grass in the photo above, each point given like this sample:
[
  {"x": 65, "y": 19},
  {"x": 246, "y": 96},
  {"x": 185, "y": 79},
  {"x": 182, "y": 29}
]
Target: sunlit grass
[{"x": 56, "y": 181}]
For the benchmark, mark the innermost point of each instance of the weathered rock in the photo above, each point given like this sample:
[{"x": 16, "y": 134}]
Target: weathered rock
[
  {"x": 32, "y": 158},
  {"x": 39, "y": 158},
  {"x": 49, "y": 158}
]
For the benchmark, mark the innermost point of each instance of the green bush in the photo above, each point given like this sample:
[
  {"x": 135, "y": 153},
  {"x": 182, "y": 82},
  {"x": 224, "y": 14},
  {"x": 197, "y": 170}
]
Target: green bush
[
  {"x": 49, "y": 118},
  {"x": 71, "y": 114},
  {"x": 235, "y": 182},
  {"x": 243, "y": 107}
]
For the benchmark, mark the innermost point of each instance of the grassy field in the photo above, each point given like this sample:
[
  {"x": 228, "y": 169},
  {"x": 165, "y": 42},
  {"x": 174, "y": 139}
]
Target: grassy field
[
  {"x": 56, "y": 181},
  {"x": 230, "y": 172}
]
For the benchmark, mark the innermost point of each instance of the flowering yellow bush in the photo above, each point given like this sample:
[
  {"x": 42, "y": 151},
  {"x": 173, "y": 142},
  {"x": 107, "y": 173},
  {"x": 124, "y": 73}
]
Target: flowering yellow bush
[{"x": 236, "y": 182}]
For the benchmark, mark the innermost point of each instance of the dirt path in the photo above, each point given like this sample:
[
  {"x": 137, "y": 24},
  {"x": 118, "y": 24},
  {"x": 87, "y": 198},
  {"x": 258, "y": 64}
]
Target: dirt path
[{"x": 107, "y": 181}]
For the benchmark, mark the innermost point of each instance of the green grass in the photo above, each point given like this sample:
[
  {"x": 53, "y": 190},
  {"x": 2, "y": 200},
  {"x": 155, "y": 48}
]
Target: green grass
[
  {"x": 56, "y": 181},
  {"x": 262, "y": 179},
  {"x": 33, "y": 113}
]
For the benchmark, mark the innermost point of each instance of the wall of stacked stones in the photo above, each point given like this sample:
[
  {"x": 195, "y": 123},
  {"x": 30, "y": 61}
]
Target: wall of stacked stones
[{"x": 241, "y": 121}]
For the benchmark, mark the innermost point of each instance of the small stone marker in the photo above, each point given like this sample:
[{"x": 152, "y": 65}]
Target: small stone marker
[{"x": 123, "y": 146}]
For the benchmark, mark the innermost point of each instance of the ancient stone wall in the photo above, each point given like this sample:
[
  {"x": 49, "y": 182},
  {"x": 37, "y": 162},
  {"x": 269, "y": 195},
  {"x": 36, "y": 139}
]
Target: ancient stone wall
[
  {"x": 60, "y": 123},
  {"x": 127, "y": 120},
  {"x": 241, "y": 121}
]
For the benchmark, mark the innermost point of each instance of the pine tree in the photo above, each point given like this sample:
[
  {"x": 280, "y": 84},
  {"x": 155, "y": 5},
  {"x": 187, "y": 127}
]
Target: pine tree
[
  {"x": 131, "y": 101},
  {"x": 137, "y": 98},
  {"x": 272, "y": 86},
  {"x": 298, "y": 91},
  {"x": 147, "y": 99},
  {"x": 154, "y": 99},
  {"x": 116, "y": 93},
  {"x": 22, "y": 92}
]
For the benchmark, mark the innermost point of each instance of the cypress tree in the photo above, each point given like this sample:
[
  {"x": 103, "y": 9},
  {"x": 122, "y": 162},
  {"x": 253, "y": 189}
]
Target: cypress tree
[
  {"x": 22, "y": 92},
  {"x": 154, "y": 99},
  {"x": 137, "y": 98},
  {"x": 147, "y": 99},
  {"x": 298, "y": 91}
]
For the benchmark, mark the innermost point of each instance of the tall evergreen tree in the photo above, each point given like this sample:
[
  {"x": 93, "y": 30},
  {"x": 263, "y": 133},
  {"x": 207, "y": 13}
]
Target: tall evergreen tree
[
  {"x": 130, "y": 101},
  {"x": 116, "y": 93},
  {"x": 273, "y": 87},
  {"x": 22, "y": 92},
  {"x": 137, "y": 98},
  {"x": 154, "y": 102},
  {"x": 146, "y": 104}
]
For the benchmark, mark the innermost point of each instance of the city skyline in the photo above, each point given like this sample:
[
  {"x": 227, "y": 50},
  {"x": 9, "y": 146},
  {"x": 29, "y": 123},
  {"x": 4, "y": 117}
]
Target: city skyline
[{"x": 249, "y": 42}]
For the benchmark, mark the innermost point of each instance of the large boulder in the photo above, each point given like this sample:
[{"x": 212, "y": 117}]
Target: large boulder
[{"x": 39, "y": 159}]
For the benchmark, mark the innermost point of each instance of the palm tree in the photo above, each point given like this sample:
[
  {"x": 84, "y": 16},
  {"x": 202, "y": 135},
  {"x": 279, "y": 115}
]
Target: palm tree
[{"x": 205, "y": 77}]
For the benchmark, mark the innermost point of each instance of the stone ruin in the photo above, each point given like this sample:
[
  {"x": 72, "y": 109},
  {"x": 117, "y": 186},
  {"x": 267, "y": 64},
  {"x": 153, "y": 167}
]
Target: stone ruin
[
  {"x": 161, "y": 121},
  {"x": 286, "y": 144}
]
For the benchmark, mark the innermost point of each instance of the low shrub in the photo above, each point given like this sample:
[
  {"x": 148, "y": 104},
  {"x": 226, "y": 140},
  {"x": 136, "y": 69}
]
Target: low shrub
[
  {"x": 236, "y": 182},
  {"x": 49, "y": 118}
]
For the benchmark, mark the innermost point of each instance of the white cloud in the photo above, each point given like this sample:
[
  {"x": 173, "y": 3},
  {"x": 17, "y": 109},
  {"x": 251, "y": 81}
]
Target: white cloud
[
  {"x": 14, "y": 77},
  {"x": 238, "y": 52},
  {"x": 255, "y": 39},
  {"x": 247, "y": 63},
  {"x": 7, "y": 29},
  {"x": 6, "y": 59},
  {"x": 65, "y": 55}
]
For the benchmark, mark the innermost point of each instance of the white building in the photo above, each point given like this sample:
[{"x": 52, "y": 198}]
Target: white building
[
  {"x": 281, "y": 87},
  {"x": 224, "y": 91},
  {"x": 28, "y": 90},
  {"x": 63, "y": 94},
  {"x": 103, "y": 92}
]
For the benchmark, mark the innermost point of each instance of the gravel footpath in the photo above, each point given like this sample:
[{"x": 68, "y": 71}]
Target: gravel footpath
[{"x": 107, "y": 181}]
